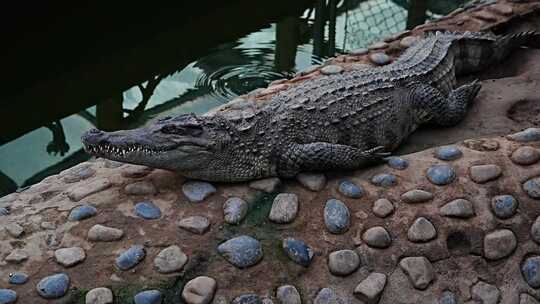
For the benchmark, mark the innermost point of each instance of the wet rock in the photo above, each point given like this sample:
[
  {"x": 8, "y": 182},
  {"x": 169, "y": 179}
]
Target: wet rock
[
  {"x": 384, "y": 180},
  {"x": 135, "y": 171},
  {"x": 327, "y": 296},
  {"x": 78, "y": 173},
  {"x": 336, "y": 216},
  {"x": 416, "y": 196},
  {"x": 441, "y": 174},
  {"x": 4, "y": 211},
  {"x": 535, "y": 230},
  {"x": 485, "y": 293},
  {"x": 526, "y": 298},
  {"x": 527, "y": 135},
  {"x": 141, "y": 188},
  {"x": 17, "y": 256},
  {"x": 249, "y": 298},
  {"x": 331, "y": 69},
  {"x": 458, "y": 208},
  {"x": 504, "y": 206},
  {"x": 448, "y": 153},
  {"x": 79, "y": 192},
  {"x": 197, "y": 191},
  {"x": 531, "y": 271},
  {"x": 195, "y": 224},
  {"x": 448, "y": 297},
  {"x": 383, "y": 207},
  {"x": 422, "y": 230},
  {"x": 68, "y": 257},
  {"x": 7, "y": 296},
  {"x": 377, "y": 237},
  {"x": 267, "y": 185},
  {"x": 131, "y": 257},
  {"x": 242, "y": 251},
  {"x": 378, "y": 45},
  {"x": 200, "y": 290},
  {"x": 408, "y": 41},
  {"x": 298, "y": 251},
  {"x": 284, "y": 208},
  {"x": 525, "y": 156},
  {"x": 148, "y": 297},
  {"x": 532, "y": 187},
  {"x": 312, "y": 181},
  {"x": 100, "y": 295},
  {"x": 287, "y": 294},
  {"x": 100, "y": 233},
  {"x": 484, "y": 173},
  {"x": 397, "y": 163},
  {"x": 147, "y": 211},
  {"x": 54, "y": 286},
  {"x": 170, "y": 259},
  {"x": 234, "y": 210},
  {"x": 419, "y": 271},
  {"x": 18, "y": 278},
  {"x": 82, "y": 212},
  {"x": 14, "y": 229},
  {"x": 359, "y": 52},
  {"x": 499, "y": 244},
  {"x": 379, "y": 58},
  {"x": 371, "y": 288},
  {"x": 350, "y": 189},
  {"x": 343, "y": 262}
]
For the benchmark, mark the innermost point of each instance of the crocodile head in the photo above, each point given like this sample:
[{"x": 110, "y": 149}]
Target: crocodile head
[{"x": 185, "y": 143}]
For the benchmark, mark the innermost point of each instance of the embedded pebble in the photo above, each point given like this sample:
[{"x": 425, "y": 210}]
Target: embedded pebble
[
  {"x": 331, "y": 69},
  {"x": 408, "y": 41},
  {"x": 527, "y": 135},
  {"x": 148, "y": 297},
  {"x": 170, "y": 259},
  {"x": 147, "y": 211},
  {"x": 82, "y": 212},
  {"x": 7, "y": 296},
  {"x": 397, "y": 163},
  {"x": 100, "y": 295},
  {"x": 288, "y": 294},
  {"x": 135, "y": 171},
  {"x": 199, "y": 290},
  {"x": 298, "y": 251},
  {"x": 448, "y": 297},
  {"x": 48, "y": 225},
  {"x": 79, "y": 192},
  {"x": 526, "y": 298},
  {"x": 419, "y": 270},
  {"x": 242, "y": 251},
  {"x": 131, "y": 257},
  {"x": 448, "y": 153},
  {"x": 234, "y": 210},
  {"x": 100, "y": 233},
  {"x": 535, "y": 230},
  {"x": 441, "y": 174},
  {"x": 17, "y": 256},
  {"x": 459, "y": 208},
  {"x": 416, "y": 196},
  {"x": 267, "y": 185},
  {"x": 485, "y": 293},
  {"x": 68, "y": 257},
  {"x": 4, "y": 211},
  {"x": 327, "y": 296},
  {"x": 370, "y": 289},
  {"x": 484, "y": 173},
  {"x": 54, "y": 286},
  {"x": 503, "y": 9},
  {"x": 384, "y": 180},
  {"x": 532, "y": 187},
  {"x": 422, "y": 230},
  {"x": 18, "y": 278},
  {"x": 14, "y": 229},
  {"x": 383, "y": 207},
  {"x": 504, "y": 206},
  {"x": 378, "y": 45},
  {"x": 343, "y": 262},
  {"x": 78, "y": 173},
  {"x": 249, "y": 298},
  {"x": 379, "y": 58},
  {"x": 499, "y": 244},
  {"x": 359, "y": 52},
  {"x": 525, "y": 156},
  {"x": 350, "y": 189},
  {"x": 377, "y": 237},
  {"x": 197, "y": 191},
  {"x": 111, "y": 164},
  {"x": 531, "y": 271},
  {"x": 284, "y": 208},
  {"x": 195, "y": 224},
  {"x": 312, "y": 181},
  {"x": 336, "y": 216},
  {"x": 140, "y": 188}
]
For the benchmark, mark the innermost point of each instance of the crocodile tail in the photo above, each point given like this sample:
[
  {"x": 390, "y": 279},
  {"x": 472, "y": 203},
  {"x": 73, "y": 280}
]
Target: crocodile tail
[{"x": 507, "y": 43}]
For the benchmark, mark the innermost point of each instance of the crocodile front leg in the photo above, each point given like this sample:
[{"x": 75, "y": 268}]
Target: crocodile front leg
[{"x": 322, "y": 156}]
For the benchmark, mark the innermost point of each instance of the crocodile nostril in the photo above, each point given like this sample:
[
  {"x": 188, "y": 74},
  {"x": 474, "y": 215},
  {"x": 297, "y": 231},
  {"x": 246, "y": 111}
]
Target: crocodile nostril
[{"x": 94, "y": 131}]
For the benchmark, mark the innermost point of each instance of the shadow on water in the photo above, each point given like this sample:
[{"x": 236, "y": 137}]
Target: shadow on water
[{"x": 116, "y": 67}]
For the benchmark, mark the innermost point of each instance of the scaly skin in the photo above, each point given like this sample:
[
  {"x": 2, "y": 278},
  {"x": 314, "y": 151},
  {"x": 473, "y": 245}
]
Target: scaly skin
[{"x": 340, "y": 121}]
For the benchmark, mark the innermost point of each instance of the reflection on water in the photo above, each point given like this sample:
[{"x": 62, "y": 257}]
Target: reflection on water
[{"x": 276, "y": 51}]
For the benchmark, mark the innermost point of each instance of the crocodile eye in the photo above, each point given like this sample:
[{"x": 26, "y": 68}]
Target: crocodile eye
[{"x": 172, "y": 129}]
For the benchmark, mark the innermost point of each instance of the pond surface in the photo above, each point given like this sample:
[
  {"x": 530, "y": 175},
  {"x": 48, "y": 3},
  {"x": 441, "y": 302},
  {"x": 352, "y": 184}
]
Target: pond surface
[{"x": 276, "y": 50}]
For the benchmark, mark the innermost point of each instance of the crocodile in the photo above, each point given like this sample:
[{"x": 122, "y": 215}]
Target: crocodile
[{"x": 333, "y": 122}]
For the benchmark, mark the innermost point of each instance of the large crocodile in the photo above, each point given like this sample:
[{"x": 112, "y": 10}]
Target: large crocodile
[{"x": 339, "y": 121}]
